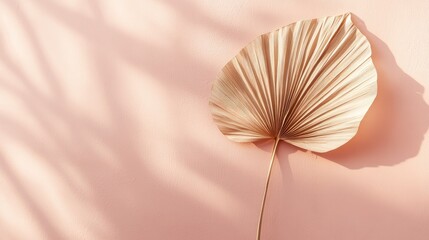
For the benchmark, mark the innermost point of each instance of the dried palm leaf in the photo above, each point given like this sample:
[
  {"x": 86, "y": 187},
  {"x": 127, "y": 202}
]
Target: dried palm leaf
[{"x": 309, "y": 84}]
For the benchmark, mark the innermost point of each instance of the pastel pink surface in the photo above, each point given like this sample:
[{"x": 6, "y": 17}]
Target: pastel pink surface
[{"x": 106, "y": 133}]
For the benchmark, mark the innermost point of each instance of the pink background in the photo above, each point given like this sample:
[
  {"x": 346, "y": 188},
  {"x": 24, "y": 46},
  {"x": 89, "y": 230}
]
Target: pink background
[{"x": 105, "y": 130}]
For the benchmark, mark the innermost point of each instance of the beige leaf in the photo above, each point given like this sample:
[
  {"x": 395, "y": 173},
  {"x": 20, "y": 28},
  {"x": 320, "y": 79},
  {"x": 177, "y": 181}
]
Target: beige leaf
[{"x": 309, "y": 84}]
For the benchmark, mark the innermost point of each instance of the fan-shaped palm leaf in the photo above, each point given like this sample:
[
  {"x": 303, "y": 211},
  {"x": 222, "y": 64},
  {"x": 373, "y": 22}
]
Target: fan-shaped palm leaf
[{"x": 309, "y": 84}]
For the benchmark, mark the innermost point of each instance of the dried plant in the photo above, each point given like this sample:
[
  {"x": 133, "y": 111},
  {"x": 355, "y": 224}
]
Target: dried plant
[{"x": 309, "y": 84}]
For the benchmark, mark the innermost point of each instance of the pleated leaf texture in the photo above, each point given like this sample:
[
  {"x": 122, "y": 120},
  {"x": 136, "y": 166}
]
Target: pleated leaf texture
[{"x": 309, "y": 84}]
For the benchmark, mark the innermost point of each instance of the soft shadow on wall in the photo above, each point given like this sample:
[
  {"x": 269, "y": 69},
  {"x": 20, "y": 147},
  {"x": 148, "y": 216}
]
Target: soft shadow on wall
[
  {"x": 121, "y": 196},
  {"x": 394, "y": 127}
]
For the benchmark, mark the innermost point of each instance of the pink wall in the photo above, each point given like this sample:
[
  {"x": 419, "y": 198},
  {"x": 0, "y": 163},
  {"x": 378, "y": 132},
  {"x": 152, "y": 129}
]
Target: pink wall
[{"x": 105, "y": 131}]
